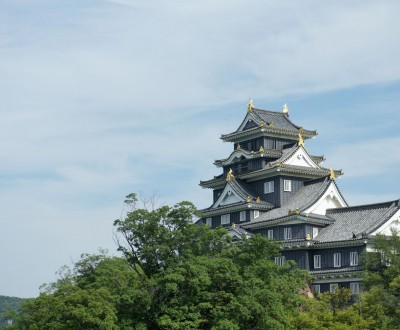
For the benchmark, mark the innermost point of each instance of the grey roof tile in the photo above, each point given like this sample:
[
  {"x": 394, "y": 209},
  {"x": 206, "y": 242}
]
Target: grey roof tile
[
  {"x": 358, "y": 220},
  {"x": 279, "y": 119}
]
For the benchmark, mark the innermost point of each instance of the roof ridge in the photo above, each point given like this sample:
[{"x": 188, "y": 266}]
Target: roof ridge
[{"x": 364, "y": 206}]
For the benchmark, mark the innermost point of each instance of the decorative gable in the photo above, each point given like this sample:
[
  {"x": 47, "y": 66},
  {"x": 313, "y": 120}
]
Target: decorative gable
[
  {"x": 228, "y": 196},
  {"x": 329, "y": 200},
  {"x": 248, "y": 122},
  {"x": 301, "y": 158},
  {"x": 392, "y": 223}
]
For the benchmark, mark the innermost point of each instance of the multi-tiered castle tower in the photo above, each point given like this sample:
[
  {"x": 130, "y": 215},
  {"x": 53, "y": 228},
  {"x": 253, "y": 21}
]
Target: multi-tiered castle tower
[{"x": 270, "y": 184}]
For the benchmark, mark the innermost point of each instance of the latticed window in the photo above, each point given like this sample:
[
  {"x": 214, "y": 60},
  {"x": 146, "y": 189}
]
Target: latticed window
[
  {"x": 256, "y": 214},
  {"x": 333, "y": 287},
  {"x": 242, "y": 215},
  {"x": 269, "y": 187},
  {"x": 317, "y": 289},
  {"x": 354, "y": 287},
  {"x": 287, "y": 185},
  {"x": 209, "y": 222},
  {"x": 225, "y": 219},
  {"x": 317, "y": 261},
  {"x": 280, "y": 261},
  {"x": 287, "y": 233},
  {"x": 270, "y": 233},
  {"x": 337, "y": 262},
  {"x": 353, "y": 258}
]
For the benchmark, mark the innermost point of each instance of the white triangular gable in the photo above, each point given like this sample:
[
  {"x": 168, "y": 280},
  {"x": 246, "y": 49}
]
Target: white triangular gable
[
  {"x": 331, "y": 199},
  {"x": 392, "y": 223},
  {"x": 249, "y": 117},
  {"x": 228, "y": 196},
  {"x": 301, "y": 158}
]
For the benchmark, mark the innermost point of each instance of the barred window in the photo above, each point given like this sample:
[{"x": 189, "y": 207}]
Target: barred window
[
  {"x": 337, "y": 260},
  {"x": 317, "y": 261},
  {"x": 353, "y": 259}
]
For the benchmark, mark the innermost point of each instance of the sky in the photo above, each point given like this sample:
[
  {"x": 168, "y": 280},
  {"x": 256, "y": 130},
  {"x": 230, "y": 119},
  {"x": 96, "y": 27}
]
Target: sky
[{"x": 101, "y": 98}]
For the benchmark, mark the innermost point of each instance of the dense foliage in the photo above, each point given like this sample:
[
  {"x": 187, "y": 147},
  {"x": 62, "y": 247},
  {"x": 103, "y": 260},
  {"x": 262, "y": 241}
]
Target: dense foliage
[
  {"x": 8, "y": 307},
  {"x": 177, "y": 275}
]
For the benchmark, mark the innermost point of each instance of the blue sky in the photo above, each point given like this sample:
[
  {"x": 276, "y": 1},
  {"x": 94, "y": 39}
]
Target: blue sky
[{"x": 103, "y": 98}]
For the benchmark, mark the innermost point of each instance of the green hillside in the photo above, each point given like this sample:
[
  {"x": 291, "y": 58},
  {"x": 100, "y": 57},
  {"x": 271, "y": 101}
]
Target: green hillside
[{"x": 7, "y": 303}]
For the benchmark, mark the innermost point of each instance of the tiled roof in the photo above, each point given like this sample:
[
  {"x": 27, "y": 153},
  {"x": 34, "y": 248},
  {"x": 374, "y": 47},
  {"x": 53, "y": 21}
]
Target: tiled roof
[
  {"x": 302, "y": 200},
  {"x": 279, "y": 119},
  {"x": 358, "y": 220},
  {"x": 244, "y": 191},
  {"x": 336, "y": 270}
]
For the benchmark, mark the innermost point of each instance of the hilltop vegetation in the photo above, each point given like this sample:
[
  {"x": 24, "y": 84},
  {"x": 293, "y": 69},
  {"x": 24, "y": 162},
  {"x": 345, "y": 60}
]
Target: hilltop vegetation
[
  {"x": 8, "y": 304},
  {"x": 176, "y": 275}
]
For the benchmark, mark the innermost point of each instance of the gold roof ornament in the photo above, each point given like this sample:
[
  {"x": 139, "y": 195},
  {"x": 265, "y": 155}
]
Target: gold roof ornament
[
  {"x": 261, "y": 124},
  {"x": 331, "y": 174},
  {"x": 258, "y": 200},
  {"x": 308, "y": 237},
  {"x": 297, "y": 211},
  {"x": 301, "y": 141},
  {"x": 233, "y": 226},
  {"x": 238, "y": 147},
  {"x": 248, "y": 199},
  {"x": 261, "y": 149},
  {"x": 271, "y": 124},
  {"x": 250, "y": 105},
  {"x": 229, "y": 176},
  {"x": 285, "y": 109}
]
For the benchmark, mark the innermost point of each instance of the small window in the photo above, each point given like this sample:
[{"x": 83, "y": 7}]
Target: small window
[
  {"x": 209, "y": 222},
  {"x": 225, "y": 219},
  {"x": 269, "y": 187},
  {"x": 317, "y": 261},
  {"x": 355, "y": 288},
  {"x": 242, "y": 215},
  {"x": 280, "y": 261},
  {"x": 315, "y": 232},
  {"x": 256, "y": 214},
  {"x": 337, "y": 260},
  {"x": 270, "y": 233},
  {"x": 287, "y": 185},
  {"x": 317, "y": 289},
  {"x": 353, "y": 259},
  {"x": 333, "y": 287},
  {"x": 287, "y": 233}
]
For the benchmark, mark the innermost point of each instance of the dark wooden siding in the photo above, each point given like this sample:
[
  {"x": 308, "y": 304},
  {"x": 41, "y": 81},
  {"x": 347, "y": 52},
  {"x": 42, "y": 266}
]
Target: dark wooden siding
[
  {"x": 297, "y": 184},
  {"x": 298, "y": 231},
  {"x": 327, "y": 256},
  {"x": 299, "y": 256}
]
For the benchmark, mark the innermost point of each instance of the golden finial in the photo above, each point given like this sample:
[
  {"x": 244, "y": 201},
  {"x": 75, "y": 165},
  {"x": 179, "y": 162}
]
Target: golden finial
[
  {"x": 230, "y": 176},
  {"x": 258, "y": 200},
  {"x": 290, "y": 212},
  {"x": 301, "y": 141},
  {"x": 308, "y": 237},
  {"x": 233, "y": 226},
  {"x": 261, "y": 149},
  {"x": 331, "y": 174},
  {"x": 250, "y": 106},
  {"x": 238, "y": 147},
  {"x": 271, "y": 124},
  {"x": 297, "y": 211},
  {"x": 248, "y": 199},
  {"x": 261, "y": 124},
  {"x": 285, "y": 109}
]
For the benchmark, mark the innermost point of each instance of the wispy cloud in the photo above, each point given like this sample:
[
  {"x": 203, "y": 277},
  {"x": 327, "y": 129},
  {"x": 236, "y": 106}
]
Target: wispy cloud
[{"x": 103, "y": 98}]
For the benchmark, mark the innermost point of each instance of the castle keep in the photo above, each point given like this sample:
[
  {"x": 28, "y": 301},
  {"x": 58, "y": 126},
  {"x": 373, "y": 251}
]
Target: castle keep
[{"x": 271, "y": 185}]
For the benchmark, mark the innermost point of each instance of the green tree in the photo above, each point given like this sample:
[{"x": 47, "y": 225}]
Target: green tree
[{"x": 197, "y": 278}]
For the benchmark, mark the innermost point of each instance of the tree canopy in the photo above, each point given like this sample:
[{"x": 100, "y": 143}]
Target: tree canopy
[{"x": 174, "y": 274}]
